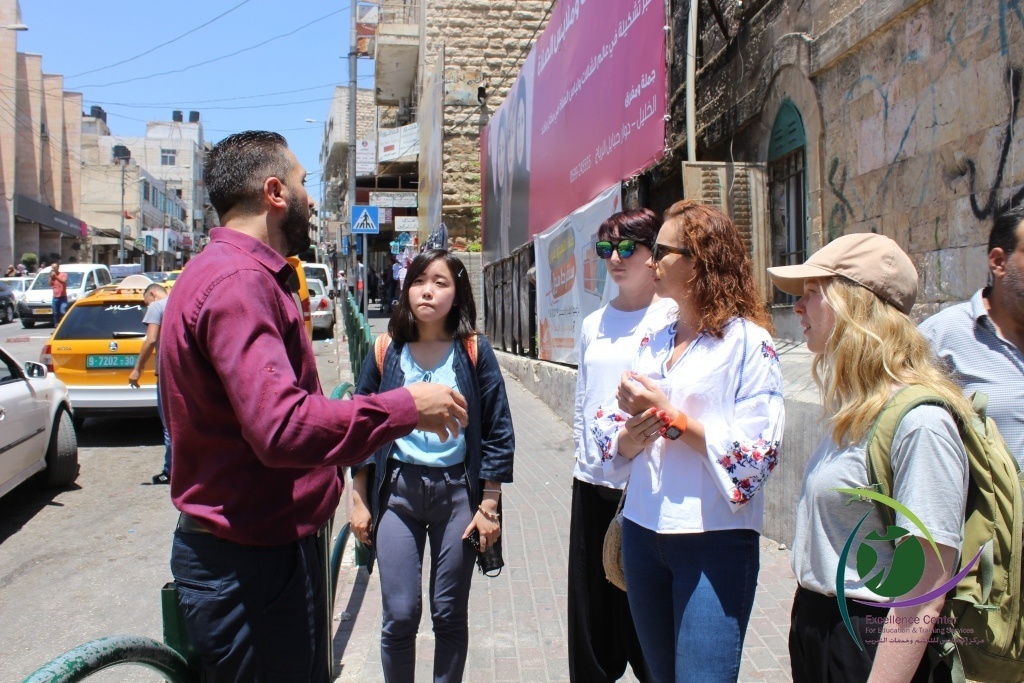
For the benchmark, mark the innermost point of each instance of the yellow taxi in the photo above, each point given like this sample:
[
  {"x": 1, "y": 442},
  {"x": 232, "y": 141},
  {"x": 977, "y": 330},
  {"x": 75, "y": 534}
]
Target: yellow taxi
[
  {"x": 300, "y": 292},
  {"x": 171, "y": 277},
  {"x": 95, "y": 347}
]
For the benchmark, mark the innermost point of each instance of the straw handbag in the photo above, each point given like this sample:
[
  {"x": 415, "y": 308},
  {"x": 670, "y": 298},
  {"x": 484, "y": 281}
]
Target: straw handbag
[{"x": 612, "y": 553}]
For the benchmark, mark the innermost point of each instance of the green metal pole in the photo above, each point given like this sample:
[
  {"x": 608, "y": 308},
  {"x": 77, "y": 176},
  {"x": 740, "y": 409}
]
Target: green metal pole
[{"x": 85, "y": 660}]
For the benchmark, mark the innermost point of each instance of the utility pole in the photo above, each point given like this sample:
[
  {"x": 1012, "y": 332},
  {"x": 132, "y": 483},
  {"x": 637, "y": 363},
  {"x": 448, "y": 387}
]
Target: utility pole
[
  {"x": 121, "y": 256},
  {"x": 351, "y": 199}
]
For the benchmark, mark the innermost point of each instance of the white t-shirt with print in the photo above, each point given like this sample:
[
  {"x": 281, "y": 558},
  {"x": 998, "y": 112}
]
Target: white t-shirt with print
[{"x": 609, "y": 340}]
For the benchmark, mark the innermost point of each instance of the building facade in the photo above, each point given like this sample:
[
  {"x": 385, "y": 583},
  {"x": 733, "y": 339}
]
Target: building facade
[
  {"x": 40, "y": 161},
  {"x": 897, "y": 118}
]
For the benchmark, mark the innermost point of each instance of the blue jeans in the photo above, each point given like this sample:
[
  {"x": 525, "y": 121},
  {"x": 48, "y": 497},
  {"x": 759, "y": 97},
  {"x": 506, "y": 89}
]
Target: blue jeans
[
  {"x": 167, "y": 434},
  {"x": 254, "y": 613},
  {"x": 691, "y": 597},
  {"x": 420, "y": 502},
  {"x": 60, "y": 307}
]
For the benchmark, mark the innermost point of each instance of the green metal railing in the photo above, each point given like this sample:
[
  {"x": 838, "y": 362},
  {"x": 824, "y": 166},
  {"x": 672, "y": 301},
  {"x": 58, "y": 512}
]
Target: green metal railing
[{"x": 357, "y": 329}]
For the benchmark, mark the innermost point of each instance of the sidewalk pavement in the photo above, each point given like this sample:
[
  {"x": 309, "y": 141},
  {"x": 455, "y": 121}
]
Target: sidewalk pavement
[{"x": 518, "y": 619}]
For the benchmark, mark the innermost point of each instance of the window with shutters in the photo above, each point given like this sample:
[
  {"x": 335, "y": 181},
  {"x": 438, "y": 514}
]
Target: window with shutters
[{"x": 787, "y": 178}]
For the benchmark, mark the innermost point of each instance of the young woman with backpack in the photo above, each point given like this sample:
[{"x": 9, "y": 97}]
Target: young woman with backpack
[
  {"x": 855, "y": 297},
  {"x": 422, "y": 487}
]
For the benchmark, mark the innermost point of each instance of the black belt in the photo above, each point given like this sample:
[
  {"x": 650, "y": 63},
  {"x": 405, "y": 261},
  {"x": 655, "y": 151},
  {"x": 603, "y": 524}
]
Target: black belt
[{"x": 191, "y": 524}]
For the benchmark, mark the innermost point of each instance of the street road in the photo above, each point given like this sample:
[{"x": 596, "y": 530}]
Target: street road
[{"x": 89, "y": 562}]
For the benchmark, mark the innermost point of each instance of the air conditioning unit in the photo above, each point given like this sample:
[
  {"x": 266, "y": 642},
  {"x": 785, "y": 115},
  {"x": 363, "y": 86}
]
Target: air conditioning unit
[{"x": 740, "y": 190}]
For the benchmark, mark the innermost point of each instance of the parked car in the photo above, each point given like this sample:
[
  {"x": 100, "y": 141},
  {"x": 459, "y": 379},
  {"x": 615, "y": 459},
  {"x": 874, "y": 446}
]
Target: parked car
[
  {"x": 322, "y": 307},
  {"x": 95, "y": 347},
  {"x": 157, "y": 277},
  {"x": 8, "y": 304},
  {"x": 168, "y": 282},
  {"x": 19, "y": 284},
  {"x": 83, "y": 279},
  {"x": 38, "y": 434},
  {"x": 300, "y": 293},
  {"x": 321, "y": 272}
]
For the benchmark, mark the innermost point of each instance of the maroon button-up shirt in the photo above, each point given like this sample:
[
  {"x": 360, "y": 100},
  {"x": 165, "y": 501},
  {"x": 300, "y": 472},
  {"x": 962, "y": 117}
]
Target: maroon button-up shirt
[{"x": 256, "y": 446}]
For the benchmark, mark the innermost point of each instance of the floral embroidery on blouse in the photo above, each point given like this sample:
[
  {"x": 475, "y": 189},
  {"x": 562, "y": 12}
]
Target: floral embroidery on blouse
[
  {"x": 768, "y": 351},
  {"x": 749, "y": 465},
  {"x": 604, "y": 436}
]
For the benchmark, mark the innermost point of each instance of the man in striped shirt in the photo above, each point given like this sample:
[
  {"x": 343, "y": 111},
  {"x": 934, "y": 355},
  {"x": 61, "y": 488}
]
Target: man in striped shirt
[{"x": 981, "y": 341}]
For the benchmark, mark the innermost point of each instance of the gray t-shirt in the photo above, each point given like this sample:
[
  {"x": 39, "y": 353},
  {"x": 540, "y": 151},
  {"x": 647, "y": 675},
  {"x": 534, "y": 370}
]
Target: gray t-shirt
[
  {"x": 155, "y": 312},
  {"x": 154, "y": 316},
  {"x": 930, "y": 475}
]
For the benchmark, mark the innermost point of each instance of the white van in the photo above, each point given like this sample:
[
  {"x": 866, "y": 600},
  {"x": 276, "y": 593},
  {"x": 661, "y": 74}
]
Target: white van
[
  {"x": 37, "y": 303},
  {"x": 321, "y": 272}
]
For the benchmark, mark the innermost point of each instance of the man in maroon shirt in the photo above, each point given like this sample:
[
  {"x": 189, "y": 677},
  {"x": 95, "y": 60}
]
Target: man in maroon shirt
[{"x": 257, "y": 447}]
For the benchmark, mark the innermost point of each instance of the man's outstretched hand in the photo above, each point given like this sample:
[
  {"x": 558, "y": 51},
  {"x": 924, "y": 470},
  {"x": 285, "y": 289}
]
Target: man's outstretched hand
[{"x": 442, "y": 410}]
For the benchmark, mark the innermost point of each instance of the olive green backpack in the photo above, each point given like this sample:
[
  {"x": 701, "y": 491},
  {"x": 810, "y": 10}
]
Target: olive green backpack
[{"x": 986, "y": 604}]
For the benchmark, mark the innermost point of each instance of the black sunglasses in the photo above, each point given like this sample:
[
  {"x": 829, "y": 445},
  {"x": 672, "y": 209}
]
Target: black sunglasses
[
  {"x": 626, "y": 248},
  {"x": 659, "y": 251}
]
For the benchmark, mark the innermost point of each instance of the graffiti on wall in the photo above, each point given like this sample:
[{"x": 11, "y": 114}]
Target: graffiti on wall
[{"x": 909, "y": 125}]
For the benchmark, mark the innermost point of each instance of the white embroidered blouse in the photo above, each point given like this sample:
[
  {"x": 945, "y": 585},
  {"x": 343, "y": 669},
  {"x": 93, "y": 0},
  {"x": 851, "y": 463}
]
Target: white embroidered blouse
[{"x": 732, "y": 386}]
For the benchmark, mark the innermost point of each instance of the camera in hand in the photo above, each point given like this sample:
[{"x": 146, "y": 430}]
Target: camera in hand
[{"x": 490, "y": 559}]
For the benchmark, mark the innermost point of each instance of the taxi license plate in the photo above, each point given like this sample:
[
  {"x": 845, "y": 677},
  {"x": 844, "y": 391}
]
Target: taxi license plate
[
  {"x": 110, "y": 361},
  {"x": 44, "y": 311}
]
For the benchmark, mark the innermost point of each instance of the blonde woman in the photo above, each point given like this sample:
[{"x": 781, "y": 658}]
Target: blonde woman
[{"x": 855, "y": 295}]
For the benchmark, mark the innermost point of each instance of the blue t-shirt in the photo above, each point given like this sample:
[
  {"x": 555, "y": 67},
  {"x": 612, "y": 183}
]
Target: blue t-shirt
[{"x": 425, "y": 448}]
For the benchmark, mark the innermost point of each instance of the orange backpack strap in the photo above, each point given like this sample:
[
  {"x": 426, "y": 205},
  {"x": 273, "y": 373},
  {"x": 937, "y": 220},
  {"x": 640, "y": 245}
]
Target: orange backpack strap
[
  {"x": 470, "y": 344},
  {"x": 380, "y": 349}
]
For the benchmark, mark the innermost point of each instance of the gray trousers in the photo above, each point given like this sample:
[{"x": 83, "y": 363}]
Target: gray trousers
[{"x": 419, "y": 502}]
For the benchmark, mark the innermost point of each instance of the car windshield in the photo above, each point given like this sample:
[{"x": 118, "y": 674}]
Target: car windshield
[
  {"x": 43, "y": 281},
  {"x": 315, "y": 273},
  {"x": 106, "y": 321},
  {"x": 14, "y": 283},
  {"x": 171, "y": 277},
  {"x": 157, "y": 277}
]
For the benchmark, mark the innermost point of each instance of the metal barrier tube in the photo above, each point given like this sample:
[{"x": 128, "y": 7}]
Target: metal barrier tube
[{"x": 85, "y": 660}]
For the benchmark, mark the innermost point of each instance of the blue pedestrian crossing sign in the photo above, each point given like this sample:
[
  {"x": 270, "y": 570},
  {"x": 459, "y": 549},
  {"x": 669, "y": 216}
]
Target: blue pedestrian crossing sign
[{"x": 365, "y": 220}]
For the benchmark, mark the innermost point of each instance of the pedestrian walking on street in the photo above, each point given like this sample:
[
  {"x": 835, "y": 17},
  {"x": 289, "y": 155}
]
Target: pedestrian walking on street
[
  {"x": 155, "y": 297},
  {"x": 981, "y": 341},
  {"x": 59, "y": 283},
  {"x": 701, "y": 416},
  {"x": 425, "y": 485},
  {"x": 257, "y": 448},
  {"x": 602, "y": 638},
  {"x": 855, "y": 297}
]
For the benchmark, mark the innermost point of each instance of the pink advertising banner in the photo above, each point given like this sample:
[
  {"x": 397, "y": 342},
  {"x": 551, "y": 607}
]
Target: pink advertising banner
[
  {"x": 599, "y": 102},
  {"x": 586, "y": 111}
]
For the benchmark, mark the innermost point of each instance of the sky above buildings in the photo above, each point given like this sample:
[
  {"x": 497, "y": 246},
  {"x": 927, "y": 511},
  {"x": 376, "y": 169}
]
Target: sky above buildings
[{"x": 243, "y": 64}]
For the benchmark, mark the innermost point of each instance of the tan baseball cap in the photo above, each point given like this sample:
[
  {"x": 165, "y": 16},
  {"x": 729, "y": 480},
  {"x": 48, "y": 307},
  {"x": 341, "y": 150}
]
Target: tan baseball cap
[{"x": 874, "y": 262}]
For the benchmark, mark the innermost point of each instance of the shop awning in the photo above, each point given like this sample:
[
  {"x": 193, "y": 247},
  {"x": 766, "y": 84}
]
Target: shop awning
[{"x": 28, "y": 209}]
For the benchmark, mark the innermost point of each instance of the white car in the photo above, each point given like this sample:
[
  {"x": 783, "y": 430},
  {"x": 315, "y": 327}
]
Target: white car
[
  {"x": 321, "y": 306},
  {"x": 37, "y": 433},
  {"x": 321, "y": 272}
]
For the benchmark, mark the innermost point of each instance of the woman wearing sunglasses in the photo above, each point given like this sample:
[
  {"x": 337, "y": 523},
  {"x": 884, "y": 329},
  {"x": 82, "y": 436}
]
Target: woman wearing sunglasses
[
  {"x": 602, "y": 640},
  {"x": 701, "y": 418}
]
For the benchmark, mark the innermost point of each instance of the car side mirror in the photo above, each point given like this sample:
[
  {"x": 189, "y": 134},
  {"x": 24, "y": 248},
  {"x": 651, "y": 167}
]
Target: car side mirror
[
  {"x": 35, "y": 370},
  {"x": 331, "y": 294}
]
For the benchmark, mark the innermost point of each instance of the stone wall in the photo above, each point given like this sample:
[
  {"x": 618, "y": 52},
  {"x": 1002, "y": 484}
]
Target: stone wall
[
  {"x": 909, "y": 108},
  {"x": 485, "y": 43}
]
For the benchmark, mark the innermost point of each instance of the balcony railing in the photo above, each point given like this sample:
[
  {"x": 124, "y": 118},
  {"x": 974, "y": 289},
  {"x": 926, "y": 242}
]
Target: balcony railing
[{"x": 399, "y": 12}]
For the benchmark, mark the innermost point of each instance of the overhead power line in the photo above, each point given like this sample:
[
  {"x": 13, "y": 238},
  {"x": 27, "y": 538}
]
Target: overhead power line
[
  {"x": 215, "y": 59},
  {"x": 164, "y": 44}
]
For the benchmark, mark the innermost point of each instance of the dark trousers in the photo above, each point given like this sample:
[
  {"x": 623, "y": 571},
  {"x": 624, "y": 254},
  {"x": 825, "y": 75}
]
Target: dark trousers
[
  {"x": 60, "y": 307},
  {"x": 602, "y": 638},
  {"x": 167, "y": 434},
  {"x": 422, "y": 502},
  {"x": 822, "y": 651},
  {"x": 254, "y": 613}
]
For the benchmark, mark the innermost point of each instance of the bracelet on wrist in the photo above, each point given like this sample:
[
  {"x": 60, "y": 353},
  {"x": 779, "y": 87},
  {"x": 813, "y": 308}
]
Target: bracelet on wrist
[
  {"x": 498, "y": 491},
  {"x": 493, "y": 516}
]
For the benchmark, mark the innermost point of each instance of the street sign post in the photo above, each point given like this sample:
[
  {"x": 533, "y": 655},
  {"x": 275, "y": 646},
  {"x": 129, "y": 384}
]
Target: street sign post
[{"x": 365, "y": 220}]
